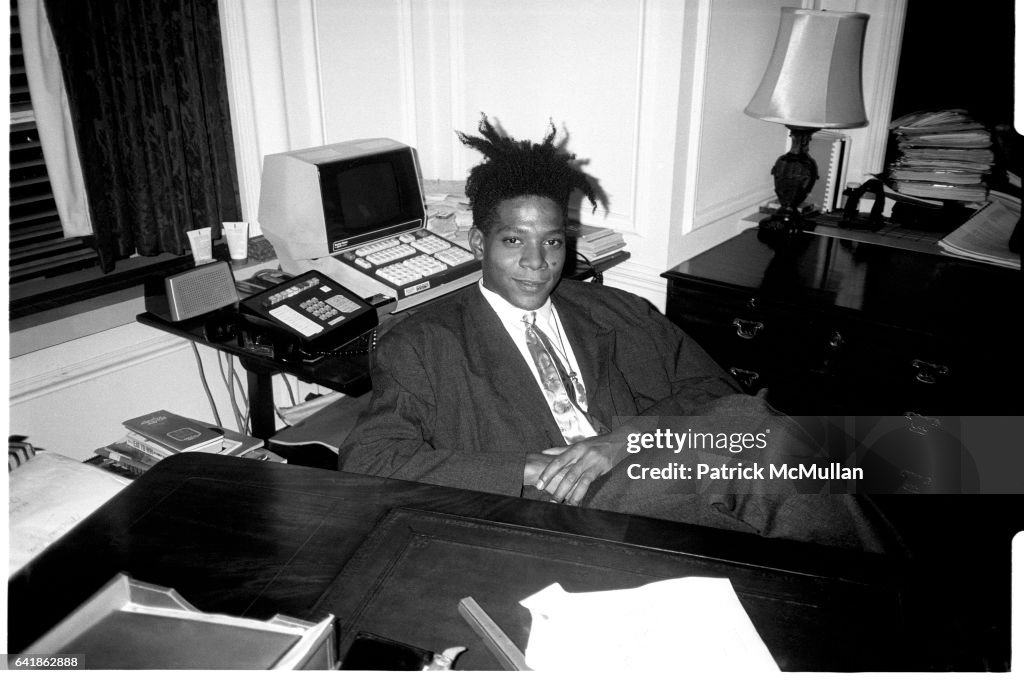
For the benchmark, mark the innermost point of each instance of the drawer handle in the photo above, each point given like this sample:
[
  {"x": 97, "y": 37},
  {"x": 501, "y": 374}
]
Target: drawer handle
[
  {"x": 747, "y": 329},
  {"x": 928, "y": 373},
  {"x": 922, "y": 424},
  {"x": 746, "y": 378}
]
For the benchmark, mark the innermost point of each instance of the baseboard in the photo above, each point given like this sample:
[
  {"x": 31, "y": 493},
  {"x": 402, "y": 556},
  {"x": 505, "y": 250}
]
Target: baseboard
[{"x": 640, "y": 280}]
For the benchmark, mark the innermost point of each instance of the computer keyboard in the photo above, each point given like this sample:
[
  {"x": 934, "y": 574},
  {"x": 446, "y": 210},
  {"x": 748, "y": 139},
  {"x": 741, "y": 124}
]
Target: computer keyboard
[{"x": 409, "y": 257}]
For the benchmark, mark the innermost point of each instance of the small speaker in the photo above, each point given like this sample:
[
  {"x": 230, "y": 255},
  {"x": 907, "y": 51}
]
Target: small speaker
[{"x": 193, "y": 292}]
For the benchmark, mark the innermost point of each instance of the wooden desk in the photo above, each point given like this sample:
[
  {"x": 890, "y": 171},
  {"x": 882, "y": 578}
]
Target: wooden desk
[
  {"x": 348, "y": 375},
  {"x": 253, "y": 539},
  {"x": 831, "y": 326}
]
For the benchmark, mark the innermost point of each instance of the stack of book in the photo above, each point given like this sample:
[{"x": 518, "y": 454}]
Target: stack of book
[
  {"x": 594, "y": 243},
  {"x": 154, "y": 436},
  {"x": 943, "y": 155}
]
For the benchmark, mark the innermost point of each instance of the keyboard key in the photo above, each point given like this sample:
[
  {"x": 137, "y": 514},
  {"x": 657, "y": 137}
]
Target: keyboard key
[
  {"x": 391, "y": 254},
  {"x": 430, "y": 244},
  {"x": 453, "y": 256},
  {"x": 377, "y": 246}
]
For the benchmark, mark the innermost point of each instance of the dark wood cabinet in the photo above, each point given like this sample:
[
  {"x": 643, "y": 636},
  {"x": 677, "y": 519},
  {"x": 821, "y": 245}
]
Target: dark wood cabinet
[{"x": 833, "y": 326}]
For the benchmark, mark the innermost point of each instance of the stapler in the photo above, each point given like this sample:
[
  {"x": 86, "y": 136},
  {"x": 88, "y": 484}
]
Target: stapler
[{"x": 853, "y": 218}]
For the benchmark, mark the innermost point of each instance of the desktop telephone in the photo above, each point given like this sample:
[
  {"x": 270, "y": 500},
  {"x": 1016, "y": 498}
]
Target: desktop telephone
[{"x": 302, "y": 319}]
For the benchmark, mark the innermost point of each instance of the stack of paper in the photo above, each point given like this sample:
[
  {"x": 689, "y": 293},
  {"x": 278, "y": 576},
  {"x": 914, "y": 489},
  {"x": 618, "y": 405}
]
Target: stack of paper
[
  {"x": 448, "y": 209},
  {"x": 49, "y": 495},
  {"x": 692, "y": 625},
  {"x": 593, "y": 242},
  {"x": 943, "y": 155},
  {"x": 986, "y": 235}
]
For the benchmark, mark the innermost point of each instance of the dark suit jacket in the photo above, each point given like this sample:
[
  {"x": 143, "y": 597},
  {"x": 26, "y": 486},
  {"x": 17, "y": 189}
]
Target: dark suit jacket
[{"x": 455, "y": 403}]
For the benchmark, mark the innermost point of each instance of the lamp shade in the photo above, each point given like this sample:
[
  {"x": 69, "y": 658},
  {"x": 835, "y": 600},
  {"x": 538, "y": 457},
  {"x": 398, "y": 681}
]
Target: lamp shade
[{"x": 813, "y": 79}]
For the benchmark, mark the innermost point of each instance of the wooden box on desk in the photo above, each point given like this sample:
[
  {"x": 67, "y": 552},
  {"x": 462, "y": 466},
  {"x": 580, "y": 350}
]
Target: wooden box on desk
[{"x": 129, "y": 624}]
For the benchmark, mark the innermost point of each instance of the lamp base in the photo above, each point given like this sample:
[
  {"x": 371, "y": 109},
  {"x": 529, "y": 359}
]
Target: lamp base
[
  {"x": 795, "y": 173},
  {"x": 783, "y": 224}
]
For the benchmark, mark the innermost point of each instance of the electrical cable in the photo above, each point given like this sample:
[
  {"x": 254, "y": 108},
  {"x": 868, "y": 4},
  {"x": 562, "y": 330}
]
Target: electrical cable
[
  {"x": 231, "y": 394},
  {"x": 206, "y": 386},
  {"x": 237, "y": 382},
  {"x": 594, "y": 275},
  {"x": 245, "y": 399},
  {"x": 363, "y": 345},
  {"x": 288, "y": 386}
]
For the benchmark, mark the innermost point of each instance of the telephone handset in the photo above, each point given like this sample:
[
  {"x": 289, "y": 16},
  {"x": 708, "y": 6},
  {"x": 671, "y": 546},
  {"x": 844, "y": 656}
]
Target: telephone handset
[{"x": 303, "y": 319}]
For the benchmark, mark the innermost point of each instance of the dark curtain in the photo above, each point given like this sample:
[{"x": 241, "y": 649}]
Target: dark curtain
[{"x": 148, "y": 99}]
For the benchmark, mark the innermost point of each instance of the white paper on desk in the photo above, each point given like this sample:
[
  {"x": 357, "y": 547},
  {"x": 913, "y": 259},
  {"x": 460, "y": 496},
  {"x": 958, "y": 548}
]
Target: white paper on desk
[
  {"x": 693, "y": 624},
  {"x": 49, "y": 495},
  {"x": 985, "y": 236}
]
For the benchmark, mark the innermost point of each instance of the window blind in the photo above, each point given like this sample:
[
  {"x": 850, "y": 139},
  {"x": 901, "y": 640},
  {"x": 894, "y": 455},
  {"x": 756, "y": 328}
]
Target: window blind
[{"x": 38, "y": 247}]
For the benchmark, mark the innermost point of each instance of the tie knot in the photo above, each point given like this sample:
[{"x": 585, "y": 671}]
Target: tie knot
[{"x": 530, "y": 318}]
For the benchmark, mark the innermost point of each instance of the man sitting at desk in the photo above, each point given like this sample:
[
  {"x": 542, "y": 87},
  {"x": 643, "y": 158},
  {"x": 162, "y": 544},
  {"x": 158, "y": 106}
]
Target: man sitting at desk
[{"x": 525, "y": 384}]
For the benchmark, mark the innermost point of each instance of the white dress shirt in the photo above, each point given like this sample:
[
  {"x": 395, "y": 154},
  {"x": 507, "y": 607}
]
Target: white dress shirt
[{"x": 549, "y": 323}]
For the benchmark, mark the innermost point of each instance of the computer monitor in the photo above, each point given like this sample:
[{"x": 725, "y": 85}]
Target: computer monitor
[
  {"x": 318, "y": 201},
  {"x": 355, "y": 211}
]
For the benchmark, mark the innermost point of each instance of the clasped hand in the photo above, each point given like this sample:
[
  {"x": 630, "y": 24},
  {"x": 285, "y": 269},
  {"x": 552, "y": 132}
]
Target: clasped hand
[{"x": 566, "y": 472}]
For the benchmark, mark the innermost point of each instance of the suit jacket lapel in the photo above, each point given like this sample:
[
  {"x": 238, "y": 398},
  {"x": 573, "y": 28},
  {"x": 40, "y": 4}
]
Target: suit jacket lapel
[
  {"x": 492, "y": 354},
  {"x": 594, "y": 347}
]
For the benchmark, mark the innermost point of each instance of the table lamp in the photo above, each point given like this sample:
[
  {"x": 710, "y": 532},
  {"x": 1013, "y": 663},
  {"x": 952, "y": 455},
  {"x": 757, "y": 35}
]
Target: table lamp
[{"x": 813, "y": 81}]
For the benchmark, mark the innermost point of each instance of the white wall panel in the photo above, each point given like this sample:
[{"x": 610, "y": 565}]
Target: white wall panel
[
  {"x": 365, "y": 60},
  {"x": 736, "y": 151},
  {"x": 73, "y": 398},
  {"x": 574, "y": 63},
  {"x": 433, "y": 75}
]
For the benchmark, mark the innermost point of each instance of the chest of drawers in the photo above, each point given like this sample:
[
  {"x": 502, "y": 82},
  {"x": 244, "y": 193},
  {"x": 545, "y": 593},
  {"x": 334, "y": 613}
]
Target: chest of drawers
[{"x": 833, "y": 326}]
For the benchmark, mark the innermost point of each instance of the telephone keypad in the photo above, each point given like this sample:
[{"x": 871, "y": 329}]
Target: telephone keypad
[
  {"x": 319, "y": 312},
  {"x": 343, "y": 304}
]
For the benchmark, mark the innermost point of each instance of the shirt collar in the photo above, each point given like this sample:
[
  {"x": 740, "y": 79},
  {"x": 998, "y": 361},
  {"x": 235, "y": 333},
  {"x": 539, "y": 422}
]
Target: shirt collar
[{"x": 509, "y": 313}]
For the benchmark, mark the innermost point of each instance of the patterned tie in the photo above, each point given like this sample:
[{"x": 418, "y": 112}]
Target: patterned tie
[{"x": 561, "y": 390}]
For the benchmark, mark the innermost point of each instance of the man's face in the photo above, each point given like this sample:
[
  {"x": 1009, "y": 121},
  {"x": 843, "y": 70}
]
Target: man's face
[{"x": 523, "y": 251}]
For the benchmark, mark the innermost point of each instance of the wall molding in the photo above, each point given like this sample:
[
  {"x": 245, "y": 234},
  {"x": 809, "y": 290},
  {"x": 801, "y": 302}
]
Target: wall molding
[
  {"x": 117, "y": 360},
  {"x": 639, "y": 279},
  {"x": 695, "y": 117},
  {"x": 309, "y": 26},
  {"x": 624, "y": 222},
  {"x": 730, "y": 206},
  {"x": 406, "y": 40},
  {"x": 243, "y": 114},
  {"x": 457, "y": 80},
  {"x": 885, "y": 73}
]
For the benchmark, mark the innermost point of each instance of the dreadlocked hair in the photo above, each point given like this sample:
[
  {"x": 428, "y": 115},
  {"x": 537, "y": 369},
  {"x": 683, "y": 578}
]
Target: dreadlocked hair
[{"x": 516, "y": 168}]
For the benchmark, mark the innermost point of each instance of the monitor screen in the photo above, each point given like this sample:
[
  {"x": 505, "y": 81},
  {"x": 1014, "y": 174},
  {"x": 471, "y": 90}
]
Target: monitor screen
[{"x": 367, "y": 196}]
